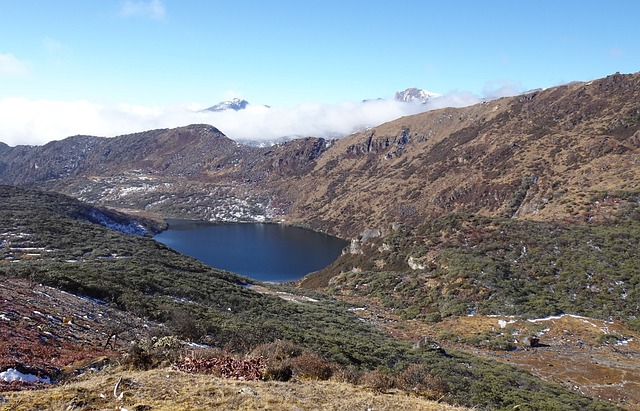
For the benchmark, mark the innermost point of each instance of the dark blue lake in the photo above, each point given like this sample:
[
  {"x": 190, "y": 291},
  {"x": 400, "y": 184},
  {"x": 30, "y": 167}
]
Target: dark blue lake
[{"x": 266, "y": 252}]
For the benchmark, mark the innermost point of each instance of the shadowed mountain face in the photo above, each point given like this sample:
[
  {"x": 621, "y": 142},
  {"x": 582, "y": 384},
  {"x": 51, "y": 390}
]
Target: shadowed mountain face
[
  {"x": 566, "y": 152},
  {"x": 179, "y": 152}
]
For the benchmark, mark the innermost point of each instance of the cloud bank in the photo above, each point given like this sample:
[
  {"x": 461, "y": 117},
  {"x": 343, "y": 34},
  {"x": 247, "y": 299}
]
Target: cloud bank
[{"x": 36, "y": 122}]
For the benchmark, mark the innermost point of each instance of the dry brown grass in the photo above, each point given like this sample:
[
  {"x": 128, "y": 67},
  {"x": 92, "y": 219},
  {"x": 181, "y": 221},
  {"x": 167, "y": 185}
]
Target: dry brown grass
[
  {"x": 575, "y": 352},
  {"x": 168, "y": 389}
]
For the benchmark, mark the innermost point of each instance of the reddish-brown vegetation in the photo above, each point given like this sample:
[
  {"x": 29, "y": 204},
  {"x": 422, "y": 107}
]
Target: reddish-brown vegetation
[{"x": 250, "y": 369}]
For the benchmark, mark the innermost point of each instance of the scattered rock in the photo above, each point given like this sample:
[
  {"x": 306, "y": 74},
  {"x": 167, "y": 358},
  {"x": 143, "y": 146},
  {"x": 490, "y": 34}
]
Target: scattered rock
[
  {"x": 531, "y": 341},
  {"x": 427, "y": 344},
  {"x": 248, "y": 391}
]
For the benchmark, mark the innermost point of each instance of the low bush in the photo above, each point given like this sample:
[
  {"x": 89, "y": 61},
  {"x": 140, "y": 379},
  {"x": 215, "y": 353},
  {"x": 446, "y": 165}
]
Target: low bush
[
  {"x": 378, "y": 380},
  {"x": 277, "y": 351},
  {"x": 279, "y": 372},
  {"x": 349, "y": 374},
  {"x": 309, "y": 365},
  {"x": 153, "y": 352},
  {"x": 225, "y": 366},
  {"x": 418, "y": 379}
]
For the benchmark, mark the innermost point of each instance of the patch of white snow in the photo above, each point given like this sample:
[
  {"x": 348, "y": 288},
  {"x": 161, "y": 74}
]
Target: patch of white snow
[{"x": 11, "y": 374}]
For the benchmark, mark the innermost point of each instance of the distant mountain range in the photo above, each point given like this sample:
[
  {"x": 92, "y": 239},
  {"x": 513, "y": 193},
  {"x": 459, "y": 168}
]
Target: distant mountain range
[{"x": 410, "y": 95}]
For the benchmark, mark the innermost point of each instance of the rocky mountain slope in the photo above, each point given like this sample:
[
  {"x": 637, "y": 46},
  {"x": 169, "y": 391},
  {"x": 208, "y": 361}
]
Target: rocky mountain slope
[
  {"x": 542, "y": 156},
  {"x": 538, "y": 156},
  {"x": 193, "y": 172}
]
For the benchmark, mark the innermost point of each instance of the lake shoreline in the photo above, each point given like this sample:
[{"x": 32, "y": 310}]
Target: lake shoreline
[{"x": 264, "y": 251}]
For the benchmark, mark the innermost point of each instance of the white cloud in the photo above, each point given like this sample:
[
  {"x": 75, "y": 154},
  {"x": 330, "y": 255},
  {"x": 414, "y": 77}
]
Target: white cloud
[
  {"x": 24, "y": 121},
  {"x": 35, "y": 122},
  {"x": 11, "y": 66},
  {"x": 453, "y": 99},
  {"x": 152, "y": 9},
  {"x": 320, "y": 120}
]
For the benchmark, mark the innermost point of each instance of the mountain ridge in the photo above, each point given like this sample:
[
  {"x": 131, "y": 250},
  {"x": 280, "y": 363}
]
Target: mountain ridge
[{"x": 532, "y": 156}]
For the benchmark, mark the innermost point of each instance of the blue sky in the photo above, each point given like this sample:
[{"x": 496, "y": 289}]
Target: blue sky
[{"x": 141, "y": 59}]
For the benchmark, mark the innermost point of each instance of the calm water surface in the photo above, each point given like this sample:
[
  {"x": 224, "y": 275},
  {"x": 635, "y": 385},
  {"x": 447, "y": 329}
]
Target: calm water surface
[{"x": 266, "y": 252}]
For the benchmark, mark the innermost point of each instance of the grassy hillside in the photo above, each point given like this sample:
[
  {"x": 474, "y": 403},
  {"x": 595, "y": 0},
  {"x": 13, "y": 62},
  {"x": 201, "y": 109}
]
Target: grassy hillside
[{"x": 45, "y": 238}]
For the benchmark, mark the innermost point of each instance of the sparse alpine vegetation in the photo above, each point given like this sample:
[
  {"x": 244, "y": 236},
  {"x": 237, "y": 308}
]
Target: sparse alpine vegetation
[
  {"x": 464, "y": 264},
  {"x": 522, "y": 207},
  {"x": 201, "y": 304}
]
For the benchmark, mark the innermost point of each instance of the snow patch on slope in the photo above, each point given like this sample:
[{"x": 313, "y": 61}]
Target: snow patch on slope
[
  {"x": 130, "y": 227},
  {"x": 12, "y": 374}
]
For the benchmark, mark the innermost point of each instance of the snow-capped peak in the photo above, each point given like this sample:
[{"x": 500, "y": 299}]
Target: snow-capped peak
[
  {"x": 416, "y": 95},
  {"x": 235, "y": 104}
]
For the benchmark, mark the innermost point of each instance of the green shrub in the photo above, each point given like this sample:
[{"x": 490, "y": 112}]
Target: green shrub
[
  {"x": 278, "y": 372},
  {"x": 606, "y": 339}
]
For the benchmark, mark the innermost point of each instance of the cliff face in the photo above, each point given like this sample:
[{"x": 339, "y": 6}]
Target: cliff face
[{"x": 550, "y": 154}]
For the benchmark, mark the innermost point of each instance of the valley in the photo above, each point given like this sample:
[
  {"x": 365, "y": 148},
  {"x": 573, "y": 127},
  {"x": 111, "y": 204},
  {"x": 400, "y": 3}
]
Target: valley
[{"x": 473, "y": 232}]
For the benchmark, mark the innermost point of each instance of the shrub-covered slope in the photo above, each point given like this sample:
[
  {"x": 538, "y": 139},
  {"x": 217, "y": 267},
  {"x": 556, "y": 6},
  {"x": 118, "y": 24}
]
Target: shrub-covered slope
[
  {"x": 463, "y": 264},
  {"x": 47, "y": 243}
]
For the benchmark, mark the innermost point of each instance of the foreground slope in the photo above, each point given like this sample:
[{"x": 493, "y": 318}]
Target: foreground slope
[
  {"x": 47, "y": 243},
  {"x": 171, "y": 390}
]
